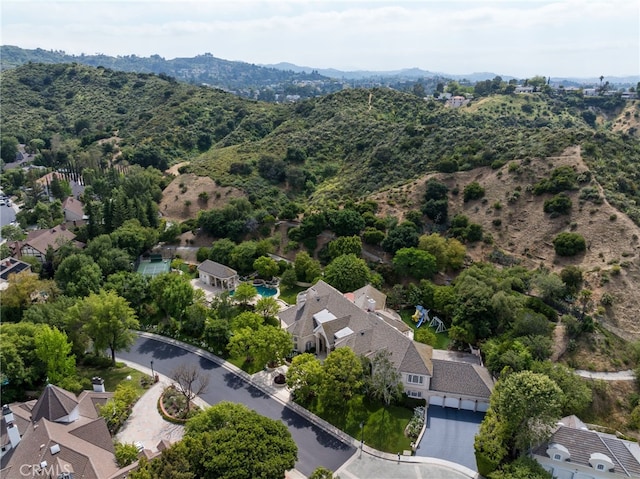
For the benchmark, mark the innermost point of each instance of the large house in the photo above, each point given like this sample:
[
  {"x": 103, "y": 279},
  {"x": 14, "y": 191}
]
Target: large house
[
  {"x": 576, "y": 452},
  {"x": 324, "y": 319},
  {"x": 39, "y": 241},
  {"x": 59, "y": 436}
]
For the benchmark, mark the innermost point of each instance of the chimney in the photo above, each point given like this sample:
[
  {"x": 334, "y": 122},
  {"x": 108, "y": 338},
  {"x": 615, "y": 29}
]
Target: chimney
[
  {"x": 14, "y": 435},
  {"x": 98, "y": 384},
  {"x": 7, "y": 414},
  {"x": 371, "y": 304},
  {"x": 301, "y": 300}
]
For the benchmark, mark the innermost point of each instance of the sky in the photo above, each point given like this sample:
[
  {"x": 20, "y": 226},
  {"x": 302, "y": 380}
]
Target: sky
[{"x": 561, "y": 38}]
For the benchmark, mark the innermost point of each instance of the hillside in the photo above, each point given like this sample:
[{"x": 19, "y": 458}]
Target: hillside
[
  {"x": 202, "y": 69},
  {"x": 357, "y": 144},
  {"x": 523, "y": 232}
]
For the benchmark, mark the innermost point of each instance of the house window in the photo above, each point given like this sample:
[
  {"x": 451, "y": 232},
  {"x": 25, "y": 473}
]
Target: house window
[
  {"x": 600, "y": 467},
  {"x": 415, "y": 379},
  {"x": 557, "y": 457},
  {"x": 414, "y": 394}
]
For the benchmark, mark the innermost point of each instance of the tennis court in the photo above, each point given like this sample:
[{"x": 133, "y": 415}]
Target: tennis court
[{"x": 154, "y": 268}]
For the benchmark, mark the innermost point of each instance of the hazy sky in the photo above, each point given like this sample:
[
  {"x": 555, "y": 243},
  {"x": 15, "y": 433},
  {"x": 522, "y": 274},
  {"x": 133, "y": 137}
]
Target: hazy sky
[{"x": 515, "y": 37}]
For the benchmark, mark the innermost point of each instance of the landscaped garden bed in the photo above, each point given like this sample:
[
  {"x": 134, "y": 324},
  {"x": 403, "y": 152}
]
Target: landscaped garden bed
[{"x": 172, "y": 405}]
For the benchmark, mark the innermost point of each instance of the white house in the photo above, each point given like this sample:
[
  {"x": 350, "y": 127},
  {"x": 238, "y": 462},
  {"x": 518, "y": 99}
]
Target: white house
[
  {"x": 523, "y": 89},
  {"x": 576, "y": 452},
  {"x": 218, "y": 275},
  {"x": 324, "y": 319}
]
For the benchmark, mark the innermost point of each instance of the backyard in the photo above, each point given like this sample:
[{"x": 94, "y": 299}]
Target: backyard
[{"x": 442, "y": 338}]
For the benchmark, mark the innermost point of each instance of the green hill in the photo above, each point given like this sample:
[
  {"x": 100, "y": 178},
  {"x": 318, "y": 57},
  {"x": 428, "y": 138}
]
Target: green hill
[{"x": 344, "y": 145}]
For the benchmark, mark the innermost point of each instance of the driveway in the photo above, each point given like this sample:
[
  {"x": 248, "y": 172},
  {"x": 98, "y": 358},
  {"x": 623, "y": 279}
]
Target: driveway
[
  {"x": 450, "y": 434},
  {"x": 316, "y": 447}
]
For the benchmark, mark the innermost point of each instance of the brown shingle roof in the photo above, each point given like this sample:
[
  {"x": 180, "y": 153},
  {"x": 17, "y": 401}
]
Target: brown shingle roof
[
  {"x": 73, "y": 205},
  {"x": 54, "y": 403},
  {"x": 88, "y": 401},
  {"x": 56, "y": 237},
  {"x": 85, "y": 445},
  {"x": 455, "y": 377},
  {"x": 216, "y": 269}
]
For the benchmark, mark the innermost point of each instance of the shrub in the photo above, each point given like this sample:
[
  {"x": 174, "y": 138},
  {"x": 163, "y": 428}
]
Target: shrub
[
  {"x": 560, "y": 204},
  {"x": 569, "y": 244},
  {"x": 125, "y": 454},
  {"x": 426, "y": 336},
  {"x": 473, "y": 191}
]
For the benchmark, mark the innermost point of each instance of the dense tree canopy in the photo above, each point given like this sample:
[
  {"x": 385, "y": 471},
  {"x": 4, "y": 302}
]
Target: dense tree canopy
[
  {"x": 347, "y": 273},
  {"x": 231, "y": 441},
  {"x": 108, "y": 320}
]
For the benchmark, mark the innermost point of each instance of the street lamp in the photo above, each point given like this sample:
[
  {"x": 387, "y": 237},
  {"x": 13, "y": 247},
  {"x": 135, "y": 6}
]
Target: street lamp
[
  {"x": 153, "y": 375},
  {"x": 361, "y": 437}
]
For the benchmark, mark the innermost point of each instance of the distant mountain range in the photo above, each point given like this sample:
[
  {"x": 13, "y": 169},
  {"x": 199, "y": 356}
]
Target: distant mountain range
[
  {"x": 266, "y": 82},
  {"x": 405, "y": 73}
]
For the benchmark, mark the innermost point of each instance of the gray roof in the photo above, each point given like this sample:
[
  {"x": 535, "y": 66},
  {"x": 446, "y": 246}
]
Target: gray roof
[
  {"x": 582, "y": 443},
  {"x": 455, "y": 377},
  {"x": 53, "y": 404},
  {"x": 361, "y": 297},
  {"x": 216, "y": 269},
  {"x": 12, "y": 266},
  {"x": 371, "y": 333}
]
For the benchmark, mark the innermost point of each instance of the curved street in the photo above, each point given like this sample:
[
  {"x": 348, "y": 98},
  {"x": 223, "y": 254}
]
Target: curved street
[{"x": 316, "y": 447}]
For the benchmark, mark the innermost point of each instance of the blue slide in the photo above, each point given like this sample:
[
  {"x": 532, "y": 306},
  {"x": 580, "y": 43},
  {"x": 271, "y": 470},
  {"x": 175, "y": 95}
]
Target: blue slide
[{"x": 423, "y": 315}]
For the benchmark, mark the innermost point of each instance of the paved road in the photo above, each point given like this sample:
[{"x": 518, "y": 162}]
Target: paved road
[
  {"x": 316, "y": 447},
  {"x": 7, "y": 215}
]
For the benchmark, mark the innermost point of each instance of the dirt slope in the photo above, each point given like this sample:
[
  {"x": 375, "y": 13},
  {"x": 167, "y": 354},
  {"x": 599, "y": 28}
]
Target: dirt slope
[
  {"x": 181, "y": 199},
  {"x": 526, "y": 232}
]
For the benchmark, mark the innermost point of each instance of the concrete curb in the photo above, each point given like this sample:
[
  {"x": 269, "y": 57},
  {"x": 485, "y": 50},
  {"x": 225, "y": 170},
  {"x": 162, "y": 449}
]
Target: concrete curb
[
  {"x": 319, "y": 422},
  {"x": 270, "y": 391}
]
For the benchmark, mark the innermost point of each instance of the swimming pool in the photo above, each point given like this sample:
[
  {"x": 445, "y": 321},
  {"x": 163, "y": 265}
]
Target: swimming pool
[{"x": 263, "y": 291}]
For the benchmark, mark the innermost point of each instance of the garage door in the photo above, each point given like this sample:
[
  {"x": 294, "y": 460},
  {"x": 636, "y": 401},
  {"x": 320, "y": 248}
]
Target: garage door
[
  {"x": 436, "y": 400},
  {"x": 468, "y": 405},
  {"x": 452, "y": 402}
]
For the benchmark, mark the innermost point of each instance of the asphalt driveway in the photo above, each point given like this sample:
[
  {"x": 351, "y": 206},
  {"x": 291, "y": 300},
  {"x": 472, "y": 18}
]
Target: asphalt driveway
[
  {"x": 316, "y": 447},
  {"x": 450, "y": 434}
]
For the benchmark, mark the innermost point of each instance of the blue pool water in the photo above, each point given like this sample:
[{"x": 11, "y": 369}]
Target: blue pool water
[{"x": 263, "y": 291}]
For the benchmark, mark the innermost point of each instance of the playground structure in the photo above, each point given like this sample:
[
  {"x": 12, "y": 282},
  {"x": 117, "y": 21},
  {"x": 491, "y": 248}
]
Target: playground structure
[{"x": 422, "y": 314}]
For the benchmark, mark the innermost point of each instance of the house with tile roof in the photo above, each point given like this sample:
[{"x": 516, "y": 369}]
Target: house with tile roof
[
  {"x": 60, "y": 436},
  {"x": 576, "y": 452},
  {"x": 218, "y": 275},
  {"x": 324, "y": 319}
]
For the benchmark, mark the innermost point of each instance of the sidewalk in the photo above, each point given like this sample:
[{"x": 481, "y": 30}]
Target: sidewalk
[{"x": 145, "y": 424}]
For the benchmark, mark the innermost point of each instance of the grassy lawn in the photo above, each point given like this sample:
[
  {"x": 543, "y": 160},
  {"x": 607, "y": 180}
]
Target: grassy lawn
[
  {"x": 288, "y": 295},
  {"x": 250, "y": 368},
  {"x": 383, "y": 427},
  {"x": 113, "y": 376},
  {"x": 443, "y": 338}
]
